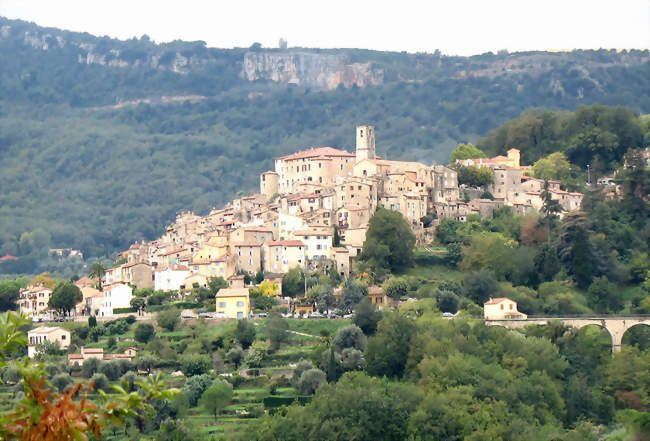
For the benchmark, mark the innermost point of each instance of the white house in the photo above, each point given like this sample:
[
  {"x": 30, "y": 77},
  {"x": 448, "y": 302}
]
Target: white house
[
  {"x": 502, "y": 308},
  {"x": 170, "y": 278},
  {"x": 318, "y": 243},
  {"x": 43, "y": 334},
  {"x": 116, "y": 296}
]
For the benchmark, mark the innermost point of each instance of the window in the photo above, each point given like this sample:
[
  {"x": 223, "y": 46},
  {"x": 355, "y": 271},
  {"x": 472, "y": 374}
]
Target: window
[
  {"x": 240, "y": 304},
  {"x": 63, "y": 336},
  {"x": 240, "y": 315},
  {"x": 222, "y": 304}
]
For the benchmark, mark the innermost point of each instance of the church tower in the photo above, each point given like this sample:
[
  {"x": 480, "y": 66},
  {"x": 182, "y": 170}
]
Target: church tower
[{"x": 365, "y": 143}]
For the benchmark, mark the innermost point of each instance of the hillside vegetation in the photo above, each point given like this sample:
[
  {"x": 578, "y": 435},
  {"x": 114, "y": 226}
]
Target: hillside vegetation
[{"x": 96, "y": 154}]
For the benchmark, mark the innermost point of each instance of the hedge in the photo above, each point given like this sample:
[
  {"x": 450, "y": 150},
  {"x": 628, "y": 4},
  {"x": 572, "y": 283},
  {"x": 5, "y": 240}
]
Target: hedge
[
  {"x": 179, "y": 305},
  {"x": 276, "y": 401},
  {"x": 123, "y": 310}
]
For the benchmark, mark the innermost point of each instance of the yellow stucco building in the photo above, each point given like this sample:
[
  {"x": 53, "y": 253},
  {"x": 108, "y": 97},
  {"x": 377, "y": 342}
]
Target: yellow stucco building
[{"x": 233, "y": 302}]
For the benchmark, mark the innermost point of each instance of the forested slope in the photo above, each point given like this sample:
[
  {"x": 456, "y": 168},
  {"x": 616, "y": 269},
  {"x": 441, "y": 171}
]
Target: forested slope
[{"x": 88, "y": 167}]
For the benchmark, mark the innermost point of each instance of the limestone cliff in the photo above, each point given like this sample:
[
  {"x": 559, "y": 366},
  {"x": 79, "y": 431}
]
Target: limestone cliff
[{"x": 309, "y": 69}]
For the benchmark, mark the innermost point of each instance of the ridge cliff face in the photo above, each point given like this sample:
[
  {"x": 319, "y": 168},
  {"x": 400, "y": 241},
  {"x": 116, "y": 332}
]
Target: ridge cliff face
[{"x": 315, "y": 70}]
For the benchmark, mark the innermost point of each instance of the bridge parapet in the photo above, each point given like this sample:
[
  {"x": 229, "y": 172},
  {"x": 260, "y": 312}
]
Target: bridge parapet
[{"x": 616, "y": 326}]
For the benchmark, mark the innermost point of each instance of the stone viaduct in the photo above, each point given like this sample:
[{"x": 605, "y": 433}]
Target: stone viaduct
[{"x": 615, "y": 325}]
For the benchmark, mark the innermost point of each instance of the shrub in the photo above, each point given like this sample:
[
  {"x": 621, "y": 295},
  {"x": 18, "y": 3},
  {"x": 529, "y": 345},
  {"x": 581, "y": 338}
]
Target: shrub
[
  {"x": 123, "y": 310},
  {"x": 195, "y": 364},
  {"x": 61, "y": 381},
  {"x": 350, "y": 336},
  {"x": 111, "y": 369},
  {"x": 100, "y": 381},
  {"x": 310, "y": 381},
  {"x": 169, "y": 318},
  {"x": 144, "y": 332},
  {"x": 90, "y": 367},
  {"x": 195, "y": 386}
]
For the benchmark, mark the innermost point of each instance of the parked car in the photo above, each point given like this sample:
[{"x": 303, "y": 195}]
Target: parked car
[
  {"x": 448, "y": 314},
  {"x": 316, "y": 314},
  {"x": 220, "y": 315},
  {"x": 206, "y": 315},
  {"x": 188, "y": 315}
]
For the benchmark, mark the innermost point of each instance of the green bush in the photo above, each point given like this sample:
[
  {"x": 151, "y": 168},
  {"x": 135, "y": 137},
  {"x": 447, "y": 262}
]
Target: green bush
[
  {"x": 123, "y": 311},
  {"x": 275, "y": 401}
]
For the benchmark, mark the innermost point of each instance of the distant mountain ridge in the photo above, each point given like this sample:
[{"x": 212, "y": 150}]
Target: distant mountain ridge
[{"x": 318, "y": 68}]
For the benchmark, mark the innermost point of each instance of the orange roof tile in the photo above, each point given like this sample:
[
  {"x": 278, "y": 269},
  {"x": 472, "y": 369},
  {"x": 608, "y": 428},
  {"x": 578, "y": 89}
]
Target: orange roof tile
[{"x": 316, "y": 152}]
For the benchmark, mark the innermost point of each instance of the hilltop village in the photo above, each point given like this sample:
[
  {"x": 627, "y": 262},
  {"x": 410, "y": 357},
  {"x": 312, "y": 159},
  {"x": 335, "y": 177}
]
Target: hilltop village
[{"x": 312, "y": 212}]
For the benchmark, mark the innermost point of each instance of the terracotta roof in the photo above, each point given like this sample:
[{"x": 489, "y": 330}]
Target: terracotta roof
[
  {"x": 47, "y": 329},
  {"x": 286, "y": 243},
  {"x": 92, "y": 350},
  {"x": 173, "y": 268},
  {"x": 496, "y": 300},
  {"x": 7, "y": 257},
  {"x": 316, "y": 152},
  {"x": 232, "y": 292}
]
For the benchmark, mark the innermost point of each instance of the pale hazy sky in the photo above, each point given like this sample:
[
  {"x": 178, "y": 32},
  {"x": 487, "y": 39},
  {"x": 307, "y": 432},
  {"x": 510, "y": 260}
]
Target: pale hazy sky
[{"x": 460, "y": 27}]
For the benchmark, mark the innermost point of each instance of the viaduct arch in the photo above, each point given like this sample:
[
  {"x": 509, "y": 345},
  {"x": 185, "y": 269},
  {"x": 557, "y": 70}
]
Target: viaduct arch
[{"x": 616, "y": 326}]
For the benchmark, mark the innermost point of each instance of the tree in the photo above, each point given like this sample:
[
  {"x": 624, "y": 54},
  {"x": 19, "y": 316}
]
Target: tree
[
  {"x": 448, "y": 302},
  {"x": 353, "y": 292},
  {"x": 389, "y": 242},
  {"x": 92, "y": 321},
  {"x": 169, "y": 318},
  {"x": 216, "y": 397},
  {"x": 259, "y": 277},
  {"x": 195, "y": 386},
  {"x": 350, "y": 336},
  {"x": 366, "y": 316},
  {"x": 268, "y": 288},
  {"x": 276, "y": 330},
  {"x": 310, "y": 381},
  {"x": 474, "y": 176},
  {"x": 62, "y": 381},
  {"x": 65, "y": 297},
  {"x": 604, "y": 296},
  {"x": 553, "y": 167},
  {"x": 195, "y": 364},
  {"x": 352, "y": 359},
  {"x": 465, "y": 151},
  {"x": 333, "y": 368},
  {"x": 9, "y": 291},
  {"x": 111, "y": 370},
  {"x": 144, "y": 332},
  {"x": 387, "y": 351},
  {"x": 97, "y": 271},
  {"x": 301, "y": 367},
  {"x": 138, "y": 303},
  {"x": 216, "y": 283},
  {"x": 479, "y": 286},
  {"x": 235, "y": 356},
  {"x": 575, "y": 250},
  {"x": 323, "y": 296},
  {"x": 336, "y": 238},
  {"x": 550, "y": 208},
  {"x": 245, "y": 333},
  {"x": 293, "y": 283},
  {"x": 145, "y": 363},
  {"x": 100, "y": 382},
  {"x": 395, "y": 288}
]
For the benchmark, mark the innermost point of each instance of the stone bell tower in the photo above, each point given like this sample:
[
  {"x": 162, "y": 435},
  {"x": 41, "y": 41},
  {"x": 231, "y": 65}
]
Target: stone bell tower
[{"x": 365, "y": 143}]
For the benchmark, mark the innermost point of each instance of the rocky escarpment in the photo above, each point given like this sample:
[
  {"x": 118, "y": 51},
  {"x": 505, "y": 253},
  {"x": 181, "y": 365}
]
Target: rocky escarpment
[{"x": 308, "y": 69}]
